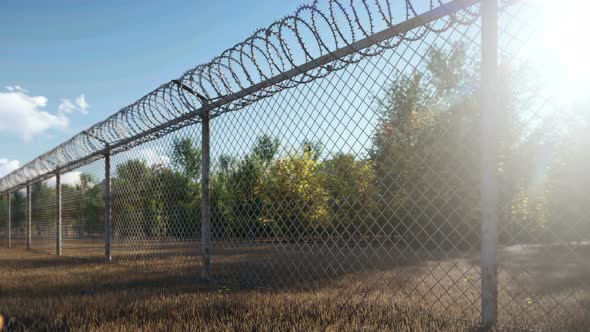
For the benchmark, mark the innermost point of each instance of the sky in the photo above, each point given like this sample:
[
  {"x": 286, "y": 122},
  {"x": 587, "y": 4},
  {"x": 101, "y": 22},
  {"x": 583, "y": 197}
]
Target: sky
[{"x": 65, "y": 65}]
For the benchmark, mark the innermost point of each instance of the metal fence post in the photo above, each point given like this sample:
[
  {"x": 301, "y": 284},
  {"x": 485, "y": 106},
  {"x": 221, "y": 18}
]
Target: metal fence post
[
  {"x": 489, "y": 120},
  {"x": 8, "y": 221},
  {"x": 58, "y": 213},
  {"x": 107, "y": 205},
  {"x": 205, "y": 191},
  {"x": 29, "y": 217}
]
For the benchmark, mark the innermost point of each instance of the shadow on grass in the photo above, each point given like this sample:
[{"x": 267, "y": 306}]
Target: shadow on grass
[{"x": 293, "y": 269}]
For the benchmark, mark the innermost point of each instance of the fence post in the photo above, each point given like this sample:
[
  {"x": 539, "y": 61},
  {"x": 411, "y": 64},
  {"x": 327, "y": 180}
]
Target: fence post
[
  {"x": 205, "y": 191},
  {"x": 489, "y": 120},
  {"x": 29, "y": 217},
  {"x": 107, "y": 205},
  {"x": 58, "y": 213},
  {"x": 8, "y": 221}
]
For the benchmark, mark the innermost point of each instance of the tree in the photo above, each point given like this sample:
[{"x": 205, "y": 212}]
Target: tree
[
  {"x": 135, "y": 209},
  {"x": 294, "y": 200},
  {"x": 177, "y": 198},
  {"x": 314, "y": 148},
  {"x": 186, "y": 156},
  {"x": 349, "y": 184},
  {"x": 236, "y": 202},
  {"x": 265, "y": 148},
  {"x": 18, "y": 220},
  {"x": 425, "y": 154},
  {"x": 567, "y": 181},
  {"x": 43, "y": 206},
  {"x": 3, "y": 219},
  {"x": 178, "y": 189},
  {"x": 93, "y": 204}
]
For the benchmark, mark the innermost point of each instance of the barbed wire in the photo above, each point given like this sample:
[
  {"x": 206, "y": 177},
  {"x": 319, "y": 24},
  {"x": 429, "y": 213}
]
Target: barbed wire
[{"x": 316, "y": 40}]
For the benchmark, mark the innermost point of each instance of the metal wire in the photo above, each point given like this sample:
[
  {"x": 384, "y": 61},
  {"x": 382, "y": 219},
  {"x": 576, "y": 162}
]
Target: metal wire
[
  {"x": 345, "y": 163},
  {"x": 18, "y": 219},
  {"x": 3, "y": 221},
  {"x": 262, "y": 65},
  {"x": 43, "y": 216}
]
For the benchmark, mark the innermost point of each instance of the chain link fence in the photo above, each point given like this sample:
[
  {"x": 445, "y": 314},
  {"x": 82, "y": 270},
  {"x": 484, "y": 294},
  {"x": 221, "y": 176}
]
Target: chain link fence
[
  {"x": 43, "y": 214},
  {"x": 17, "y": 225},
  {"x": 155, "y": 202},
  {"x": 345, "y": 157},
  {"x": 543, "y": 228},
  {"x": 4, "y": 221}
]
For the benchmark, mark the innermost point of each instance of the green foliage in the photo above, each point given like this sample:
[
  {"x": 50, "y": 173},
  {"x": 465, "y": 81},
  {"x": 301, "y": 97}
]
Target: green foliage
[
  {"x": 135, "y": 198},
  {"x": 420, "y": 182},
  {"x": 2, "y": 212},
  {"x": 349, "y": 184},
  {"x": 177, "y": 199},
  {"x": 567, "y": 180},
  {"x": 186, "y": 156},
  {"x": 235, "y": 200},
  {"x": 293, "y": 195},
  {"x": 93, "y": 204},
  {"x": 314, "y": 148},
  {"x": 18, "y": 212},
  {"x": 266, "y": 148},
  {"x": 163, "y": 201},
  {"x": 425, "y": 154}
]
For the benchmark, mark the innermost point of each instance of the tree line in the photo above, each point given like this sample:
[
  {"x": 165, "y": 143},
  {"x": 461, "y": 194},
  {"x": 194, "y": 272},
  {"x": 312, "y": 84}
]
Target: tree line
[{"x": 418, "y": 184}]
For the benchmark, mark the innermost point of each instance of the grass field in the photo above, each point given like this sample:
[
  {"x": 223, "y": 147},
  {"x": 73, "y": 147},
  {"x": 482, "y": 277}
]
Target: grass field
[{"x": 45, "y": 292}]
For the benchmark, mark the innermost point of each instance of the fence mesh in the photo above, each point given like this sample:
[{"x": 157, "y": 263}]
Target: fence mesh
[
  {"x": 3, "y": 221},
  {"x": 543, "y": 245},
  {"x": 18, "y": 220},
  {"x": 83, "y": 211},
  {"x": 362, "y": 184},
  {"x": 357, "y": 181},
  {"x": 156, "y": 199},
  {"x": 43, "y": 215}
]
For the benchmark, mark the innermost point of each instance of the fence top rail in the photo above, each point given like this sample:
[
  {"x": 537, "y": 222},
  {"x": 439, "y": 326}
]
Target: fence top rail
[{"x": 316, "y": 40}]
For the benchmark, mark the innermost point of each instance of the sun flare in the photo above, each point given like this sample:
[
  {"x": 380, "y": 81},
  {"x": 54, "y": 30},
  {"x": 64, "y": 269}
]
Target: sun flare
[{"x": 561, "y": 43}]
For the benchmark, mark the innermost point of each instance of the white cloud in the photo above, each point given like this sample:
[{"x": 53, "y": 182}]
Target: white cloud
[
  {"x": 71, "y": 178},
  {"x": 66, "y": 106},
  {"x": 82, "y": 104},
  {"x": 23, "y": 114},
  {"x": 13, "y": 88},
  {"x": 7, "y": 166},
  {"x": 153, "y": 157}
]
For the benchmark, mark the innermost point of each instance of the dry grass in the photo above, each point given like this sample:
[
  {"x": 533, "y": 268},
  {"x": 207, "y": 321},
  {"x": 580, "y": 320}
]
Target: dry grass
[{"x": 45, "y": 292}]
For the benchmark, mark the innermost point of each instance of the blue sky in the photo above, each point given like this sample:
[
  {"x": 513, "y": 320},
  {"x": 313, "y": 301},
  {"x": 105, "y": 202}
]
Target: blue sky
[{"x": 65, "y": 65}]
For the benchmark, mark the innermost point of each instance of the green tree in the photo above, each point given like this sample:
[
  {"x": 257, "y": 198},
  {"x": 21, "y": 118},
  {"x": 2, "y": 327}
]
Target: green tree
[
  {"x": 567, "y": 181},
  {"x": 186, "y": 156},
  {"x": 237, "y": 204},
  {"x": 314, "y": 148},
  {"x": 178, "y": 189},
  {"x": 426, "y": 154},
  {"x": 18, "y": 216},
  {"x": 294, "y": 199},
  {"x": 3, "y": 219},
  {"x": 265, "y": 148},
  {"x": 134, "y": 206},
  {"x": 177, "y": 198},
  {"x": 92, "y": 205},
  {"x": 349, "y": 184},
  {"x": 43, "y": 201}
]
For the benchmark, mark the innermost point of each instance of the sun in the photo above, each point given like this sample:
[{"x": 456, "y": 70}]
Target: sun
[{"x": 562, "y": 35}]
